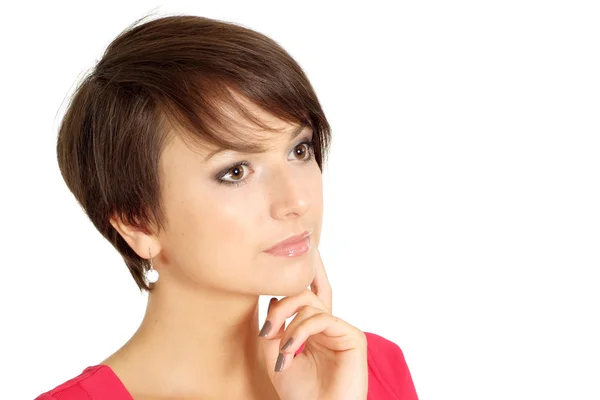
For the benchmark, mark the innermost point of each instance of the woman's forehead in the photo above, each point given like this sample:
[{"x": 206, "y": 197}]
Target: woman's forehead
[
  {"x": 268, "y": 141},
  {"x": 264, "y": 140}
]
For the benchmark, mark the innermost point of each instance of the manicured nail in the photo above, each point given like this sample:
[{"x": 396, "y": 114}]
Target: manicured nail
[
  {"x": 287, "y": 344},
  {"x": 265, "y": 329},
  {"x": 279, "y": 363},
  {"x": 273, "y": 299}
]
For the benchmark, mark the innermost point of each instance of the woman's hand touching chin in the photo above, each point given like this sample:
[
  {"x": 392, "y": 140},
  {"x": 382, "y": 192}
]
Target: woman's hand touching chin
[{"x": 333, "y": 362}]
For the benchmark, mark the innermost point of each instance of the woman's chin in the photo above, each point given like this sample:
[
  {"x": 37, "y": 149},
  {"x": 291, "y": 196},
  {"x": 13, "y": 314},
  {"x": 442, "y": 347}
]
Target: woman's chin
[{"x": 291, "y": 285}]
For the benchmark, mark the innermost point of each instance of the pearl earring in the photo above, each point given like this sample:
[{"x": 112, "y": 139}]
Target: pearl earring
[{"x": 151, "y": 274}]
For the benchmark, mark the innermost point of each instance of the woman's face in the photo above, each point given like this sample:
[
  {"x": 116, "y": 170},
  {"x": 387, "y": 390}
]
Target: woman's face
[{"x": 221, "y": 219}]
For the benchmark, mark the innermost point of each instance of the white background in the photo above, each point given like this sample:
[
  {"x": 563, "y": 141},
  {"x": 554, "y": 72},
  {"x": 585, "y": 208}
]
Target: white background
[{"x": 461, "y": 196}]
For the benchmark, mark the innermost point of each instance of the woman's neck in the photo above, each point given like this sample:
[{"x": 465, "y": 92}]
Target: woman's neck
[{"x": 195, "y": 344}]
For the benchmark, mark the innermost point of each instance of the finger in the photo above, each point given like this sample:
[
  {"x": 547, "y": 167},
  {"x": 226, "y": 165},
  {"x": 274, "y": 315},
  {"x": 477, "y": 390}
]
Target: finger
[
  {"x": 270, "y": 348},
  {"x": 268, "y": 325},
  {"x": 320, "y": 285},
  {"x": 271, "y": 302},
  {"x": 286, "y": 308},
  {"x": 304, "y": 313},
  {"x": 337, "y": 335}
]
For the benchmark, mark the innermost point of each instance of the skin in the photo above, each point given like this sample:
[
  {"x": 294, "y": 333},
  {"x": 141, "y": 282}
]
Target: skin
[{"x": 199, "y": 336}]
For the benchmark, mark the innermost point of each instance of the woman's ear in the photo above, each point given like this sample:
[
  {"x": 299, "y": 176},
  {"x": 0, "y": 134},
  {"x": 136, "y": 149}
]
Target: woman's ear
[{"x": 139, "y": 240}]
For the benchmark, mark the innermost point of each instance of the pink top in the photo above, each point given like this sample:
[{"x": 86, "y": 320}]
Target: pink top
[{"x": 389, "y": 378}]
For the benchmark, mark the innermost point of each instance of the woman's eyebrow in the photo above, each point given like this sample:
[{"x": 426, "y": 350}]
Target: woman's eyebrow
[{"x": 293, "y": 134}]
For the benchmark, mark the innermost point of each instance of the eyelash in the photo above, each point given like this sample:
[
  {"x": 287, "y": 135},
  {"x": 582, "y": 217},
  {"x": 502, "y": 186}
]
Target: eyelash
[{"x": 311, "y": 156}]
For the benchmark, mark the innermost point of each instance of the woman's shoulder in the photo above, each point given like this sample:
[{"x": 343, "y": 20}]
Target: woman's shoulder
[
  {"x": 95, "y": 382},
  {"x": 389, "y": 375}
]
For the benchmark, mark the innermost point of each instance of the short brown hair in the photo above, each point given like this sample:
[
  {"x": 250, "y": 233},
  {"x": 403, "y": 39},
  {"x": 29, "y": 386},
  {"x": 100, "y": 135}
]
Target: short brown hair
[{"x": 171, "y": 72}]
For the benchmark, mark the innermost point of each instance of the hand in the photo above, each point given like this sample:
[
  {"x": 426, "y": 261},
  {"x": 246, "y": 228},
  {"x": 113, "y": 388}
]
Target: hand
[{"x": 333, "y": 363}]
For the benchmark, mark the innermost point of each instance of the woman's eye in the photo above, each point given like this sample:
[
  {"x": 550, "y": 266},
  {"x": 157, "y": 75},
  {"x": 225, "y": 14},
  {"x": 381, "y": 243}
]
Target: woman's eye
[
  {"x": 235, "y": 175},
  {"x": 303, "y": 151}
]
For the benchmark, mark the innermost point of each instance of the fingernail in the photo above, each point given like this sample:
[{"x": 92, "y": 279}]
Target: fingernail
[
  {"x": 287, "y": 344},
  {"x": 279, "y": 363},
  {"x": 270, "y": 303},
  {"x": 265, "y": 329}
]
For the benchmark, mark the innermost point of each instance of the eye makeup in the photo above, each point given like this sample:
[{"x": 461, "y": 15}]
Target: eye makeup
[{"x": 241, "y": 165}]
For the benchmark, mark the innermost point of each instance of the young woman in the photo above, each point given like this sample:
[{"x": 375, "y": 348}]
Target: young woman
[{"x": 196, "y": 148}]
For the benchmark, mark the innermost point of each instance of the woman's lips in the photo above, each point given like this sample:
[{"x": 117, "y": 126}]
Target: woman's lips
[{"x": 291, "y": 248}]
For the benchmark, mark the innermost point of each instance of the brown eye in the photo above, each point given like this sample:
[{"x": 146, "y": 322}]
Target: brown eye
[
  {"x": 302, "y": 152},
  {"x": 235, "y": 174}
]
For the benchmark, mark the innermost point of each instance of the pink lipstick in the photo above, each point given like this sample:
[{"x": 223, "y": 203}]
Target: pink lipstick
[{"x": 292, "y": 247}]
